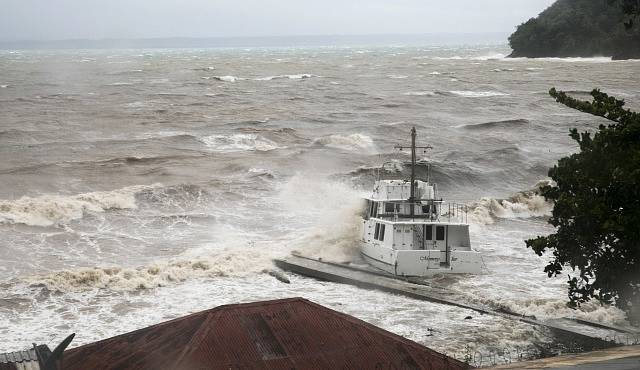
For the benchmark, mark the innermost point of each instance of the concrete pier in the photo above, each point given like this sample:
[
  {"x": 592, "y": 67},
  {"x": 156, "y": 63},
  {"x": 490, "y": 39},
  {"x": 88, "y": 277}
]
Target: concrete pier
[
  {"x": 589, "y": 336},
  {"x": 619, "y": 358}
]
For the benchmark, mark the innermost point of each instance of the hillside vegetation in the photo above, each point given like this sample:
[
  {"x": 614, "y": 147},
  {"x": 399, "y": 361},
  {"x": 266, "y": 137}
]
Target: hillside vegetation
[{"x": 578, "y": 28}]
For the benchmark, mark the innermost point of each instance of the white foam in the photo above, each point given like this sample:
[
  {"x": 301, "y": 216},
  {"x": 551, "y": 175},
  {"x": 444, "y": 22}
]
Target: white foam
[
  {"x": 136, "y": 104},
  {"x": 48, "y": 210},
  {"x": 120, "y": 84},
  {"x": 227, "y": 262},
  {"x": 398, "y": 76},
  {"x": 435, "y": 73},
  {"x": 496, "y": 56},
  {"x": 565, "y": 60},
  {"x": 353, "y": 142},
  {"x": 477, "y": 94},
  {"x": 290, "y": 77},
  {"x": 420, "y": 93},
  {"x": 524, "y": 204},
  {"x": 455, "y": 57},
  {"x": 239, "y": 142},
  {"x": 227, "y": 78},
  {"x": 3, "y": 86}
]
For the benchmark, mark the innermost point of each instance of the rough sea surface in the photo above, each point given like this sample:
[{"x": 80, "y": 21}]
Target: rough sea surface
[{"x": 138, "y": 186}]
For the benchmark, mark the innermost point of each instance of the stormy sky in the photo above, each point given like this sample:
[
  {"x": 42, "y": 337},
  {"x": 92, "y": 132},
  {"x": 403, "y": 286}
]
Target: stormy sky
[{"x": 88, "y": 19}]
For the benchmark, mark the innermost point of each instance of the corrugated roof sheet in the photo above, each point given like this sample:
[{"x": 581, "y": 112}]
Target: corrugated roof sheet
[
  {"x": 282, "y": 334},
  {"x": 22, "y": 360}
]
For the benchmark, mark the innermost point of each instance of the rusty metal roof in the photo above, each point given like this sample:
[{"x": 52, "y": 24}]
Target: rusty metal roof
[
  {"x": 22, "y": 360},
  {"x": 282, "y": 334}
]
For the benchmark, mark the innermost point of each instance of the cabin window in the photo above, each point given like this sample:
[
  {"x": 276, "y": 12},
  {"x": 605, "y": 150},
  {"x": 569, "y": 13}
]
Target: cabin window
[
  {"x": 382, "y": 232},
  {"x": 389, "y": 208},
  {"x": 428, "y": 235},
  {"x": 375, "y": 234},
  {"x": 374, "y": 209},
  {"x": 439, "y": 232},
  {"x": 426, "y": 209}
]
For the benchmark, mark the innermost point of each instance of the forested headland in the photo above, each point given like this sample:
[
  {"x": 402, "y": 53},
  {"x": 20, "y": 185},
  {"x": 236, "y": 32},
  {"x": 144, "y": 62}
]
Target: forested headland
[{"x": 580, "y": 28}]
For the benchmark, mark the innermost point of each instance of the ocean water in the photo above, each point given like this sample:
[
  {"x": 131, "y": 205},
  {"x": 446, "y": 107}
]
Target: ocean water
[{"x": 138, "y": 186}]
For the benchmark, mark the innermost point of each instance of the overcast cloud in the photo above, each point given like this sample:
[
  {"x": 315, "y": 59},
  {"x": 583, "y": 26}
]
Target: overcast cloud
[{"x": 95, "y": 19}]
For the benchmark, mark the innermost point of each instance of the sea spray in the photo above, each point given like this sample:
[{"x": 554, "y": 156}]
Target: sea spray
[
  {"x": 331, "y": 209},
  {"x": 524, "y": 204}
]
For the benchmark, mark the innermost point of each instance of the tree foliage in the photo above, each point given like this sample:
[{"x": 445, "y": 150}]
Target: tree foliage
[
  {"x": 580, "y": 28},
  {"x": 597, "y": 208},
  {"x": 630, "y": 8}
]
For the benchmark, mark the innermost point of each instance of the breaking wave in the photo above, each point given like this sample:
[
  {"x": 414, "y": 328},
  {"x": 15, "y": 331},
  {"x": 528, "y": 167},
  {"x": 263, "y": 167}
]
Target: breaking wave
[
  {"x": 222, "y": 264},
  {"x": 351, "y": 142},
  {"x": 49, "y": 210},
  {"x": 239, "y": 142},
  {"x": 525, "y": 204}
]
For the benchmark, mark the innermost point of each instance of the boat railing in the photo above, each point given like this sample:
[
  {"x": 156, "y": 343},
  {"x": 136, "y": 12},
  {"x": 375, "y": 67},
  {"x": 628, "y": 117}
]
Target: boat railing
[
  {"x": 437, "y": 210},
  {"x": 456, "y": 212}
]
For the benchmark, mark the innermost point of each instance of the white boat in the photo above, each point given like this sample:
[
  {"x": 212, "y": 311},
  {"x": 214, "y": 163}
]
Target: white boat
[{"x": 408, "y": 231}]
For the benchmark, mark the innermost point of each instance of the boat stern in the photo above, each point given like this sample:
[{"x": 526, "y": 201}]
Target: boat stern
[{"x": 417, "y": 262}]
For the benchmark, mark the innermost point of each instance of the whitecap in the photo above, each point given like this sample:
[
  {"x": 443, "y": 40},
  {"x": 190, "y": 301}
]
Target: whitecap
[
  {"x": 120, "y": 84},
  {"x": 3, "y": 86},
  {"x": 353, "y": 142},
  {"x": 398, "y": 76},
  {"x": 477, "y": 94},
  {"x": 455, "y": 57},
  {"x": 239, "y": 142},
  {"x": 496, "y": 56},
  {"x": 420, "y": 93},
  {"x": 566, "y": 60},
  {"x": 435, "y": 73},
  {"x": 291, "y": 77},
  {"x": 48, "y": 210},
  {"x": 136, "y": 104},
  {"x": 524, "y": 204},
  {"x": 226, "y": 78}
]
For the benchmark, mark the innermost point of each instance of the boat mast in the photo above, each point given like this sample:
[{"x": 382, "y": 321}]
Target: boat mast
[
  {"x": 413, "y": 170},
  {"x": 413, "y": 167}
]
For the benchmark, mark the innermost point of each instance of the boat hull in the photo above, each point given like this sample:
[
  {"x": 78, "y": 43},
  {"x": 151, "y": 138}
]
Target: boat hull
[{"x": 421, "y": 263}]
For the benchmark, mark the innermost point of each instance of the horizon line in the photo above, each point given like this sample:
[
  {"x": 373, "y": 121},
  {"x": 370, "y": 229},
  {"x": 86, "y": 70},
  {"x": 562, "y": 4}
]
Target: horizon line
[
  {"x": 292, "y": 41},
  {"x": 153, "y": 38}
]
